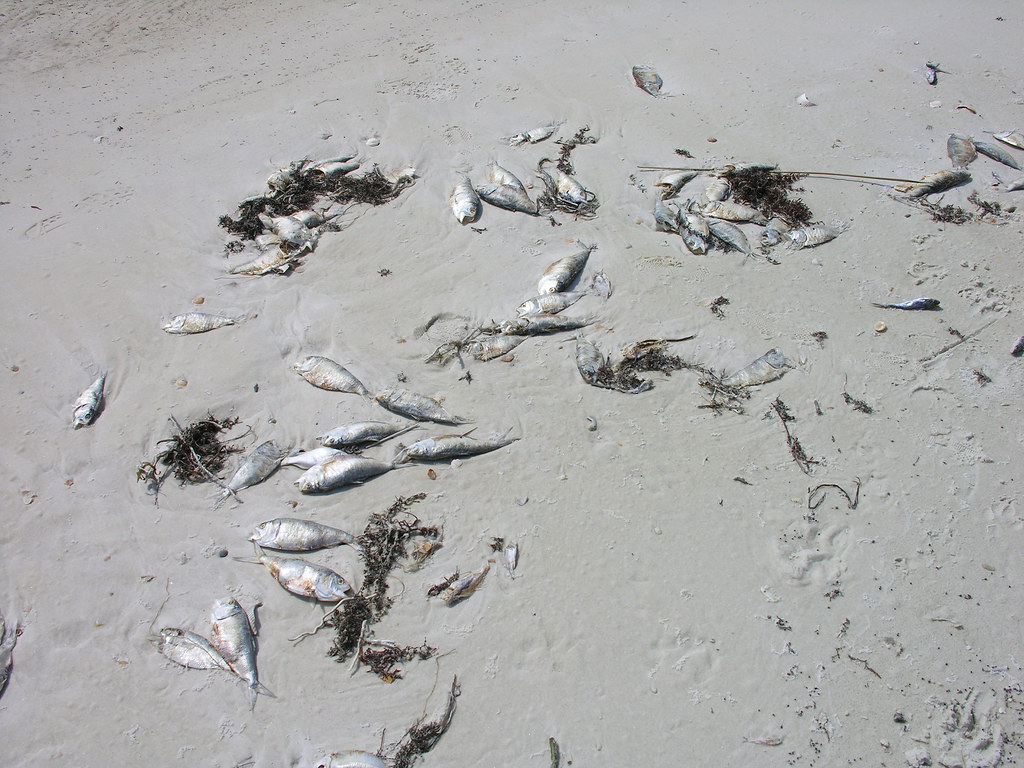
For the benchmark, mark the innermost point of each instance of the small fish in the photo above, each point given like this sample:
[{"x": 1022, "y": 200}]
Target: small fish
[
  {"x": 288, "y": 534},
  {"x": 416, "y": 406},
  {"x": 503, "y": 177},
  {"x": 922, "y": 303},
  {"x": 549, "y": 303},
  {"x": 719, "y": 189},
  {"x": 303, "y": 578},
  {"x": 89, "y": 404},
  {"x": 353, "y": 759},
  {"x": 939, "y": 181},
  {"x": 730, "y": 211},
  {"x": 190, "y": 650},
  {"x": 271, "y": 260},
  {"x": 491, "y": 347},
  {"x": 326, "y": 374},
  {"x": 671, "y": 183},
  {"x": 601, "y": 285},
  {"x": 647, "y": 79},
  {"x": 533, "y": 136},
  {"x": 361, "y": 432},
  {"x": 809, "y": 237},
  {"x": 260, "y": 464},
  {"x": 512, "y": 559},
  {"x": 1018, "y": 348},
  {"x": 338, "y": 167},
  {"x": 196, "y": 322},
  {"x": 997, "y": 153},
  {"x": 1011, "y": 138},
  {"x": 464, "y": 587},
  {"x": 8, "y": 639},
  {"x": 731, "y": 235},
  {"x": 665, "y": 219},
  {"x": 691, "y": 219},
  {"x": 343, "y": 470},
  {"x": 961, "y": 150},
  {"x": 290, "y": 230},
  {"x": 507, "y": 197},
  {"x": 445, "y": 447},
  {"x": 768, "y": 367},
  {"x": 465, "y": 201},
  {"x": 562, "y": 273},
  {"x": 564, "y": 186},
  {"x": 589, "y": 359},
  {"x": 931, "y": 73},
  {"x": 533, "y": 325},
  {"x": 309, "y": 459},
  {"x": 233, "y": 637}
]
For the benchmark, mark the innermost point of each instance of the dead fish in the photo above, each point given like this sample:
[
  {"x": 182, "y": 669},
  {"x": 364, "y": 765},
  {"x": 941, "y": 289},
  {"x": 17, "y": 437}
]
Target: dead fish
[
  {"x": 562, "y": 273},
  {"x": 809, "y": 237},
  {"x": 272, "y": 260},
  {"x": 774, "y": 231},
  {"x": 922, "y": 303},
  {"x": 309, "y": 459},
  {"x": 533, "y": 136},
  {"x": 361, "y": 432},
  {"x": 503, "y": 177},
  {"x": 691, "y": 219},
  {"x": 465, "y": 201},
  {"x": 1012, "y": 138},
  {"x": 446, "y": 447},
  {"x": 671, "y": 183},
  {"x": 647, "y": 79},
  {"x": 931, "y": 73},
  {"x": 8, "y": 639},
  {"x": 89, "y": 404},
  {"x": 564, "y": 186},
  {"x": 730, "y": 211},
  {"x": 997, "y": 153},
  {"x": 281, "y": 178},
  {"x": 589, "y": 359},
  {"x": 190, "y": 650},
  {"x": 533, "y": 325},
  {"x": 961, "y": 150},
  {"x": 730, "y": 234},
  {"x": 233, "y": 637},
  {"x": 601, "y": 285},
  {"x": 935, "y": 182},
  {"x": 257, "y": 467},
  {"x": 1012, "y": 186},
  {"x": 464, "y": 587},
  {"x": 719, "y": 189},
  {"x": 695, "y": 244},
  {"x": 549, "y": 303},
  {"x": 353, "y": 759},
  {"x": 290, "y": 230},
  {"x": 491, "y": 347},
  {"x": 416, "y": 406},
  {"x": 665, "y": 219},
  {"x": 768, "y": 367},
  {"x": 196, "y": 322},
  {"x": 511, "y": 559},
  {"x": 509, "y": 198},
  {"x": 303, "y": 578},
  {"x": 1018, "y": 348},
  {"x": 289, "y": 534},
  {"x": 336, "y": 167},
  {"x": 343, "y": 470},
  {"x": 326, "y": 374}
]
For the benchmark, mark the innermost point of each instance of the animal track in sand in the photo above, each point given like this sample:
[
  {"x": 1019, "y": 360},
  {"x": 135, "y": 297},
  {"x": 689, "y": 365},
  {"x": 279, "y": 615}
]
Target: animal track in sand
[
  {"x": 45, "y": 226},
  {"x": 809, "y": 553}
]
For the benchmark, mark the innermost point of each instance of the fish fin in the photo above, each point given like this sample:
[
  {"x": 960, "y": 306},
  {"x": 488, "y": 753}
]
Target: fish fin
[{"x": 253, "y": 560}]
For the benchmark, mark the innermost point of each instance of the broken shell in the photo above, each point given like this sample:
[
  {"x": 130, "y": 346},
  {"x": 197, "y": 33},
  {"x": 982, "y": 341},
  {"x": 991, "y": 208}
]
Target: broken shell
[
  {"x": 803, "y": 101},
  {"x": 880, "y": 327}
]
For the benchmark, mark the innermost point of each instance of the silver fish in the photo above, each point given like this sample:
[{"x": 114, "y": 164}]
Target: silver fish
[
  {"x": 692, "y": 219},
  {"x": 190, "y": 650},
  {"x": 939, "y": 181},
  {"x": 719, "y": 189},
  {"x": 260, "y": 464},
  {"x": 271, "y": 260},
  {"x": 303, "y": 578},
  {"x": 1012, "y": 138},
  {"x": 931, "y": 73},
  {"x": 589, "y": 359},
  {"x": 560, "y": 274},
  {"x": 464, "y": 587},
  {"x": 313, "y": 218},
  {"x": 503, "y": 177},
  {"x": 922, "y": 303},
  {"x": 309, "y": 459},
  {"x": 89, "y": 404},
  {"x": 326, "y": 374},
  {"x": 290, "y": 230},
  {"x": 288, "y": 534},
  {"x": 8, "y": 639},
  {"x": 1018, "y": 348},
  {"x": 564, "y": 186},
  {"x": 534, "y": 135},
  {"x": 997, "y": 153},
  {"x": 512, "y": 559},
  {"x": 809, "y": 237},
  {"x": 344, "y": 470},
  {"x": 671, "y": 183},
  {"x": 532, "y": 325},
  {"x": 665, "y": 219},
  {"x": 549, "y": 303},
  {"x": 329, "y": 168},
  {"x": 465, "y": 201},
  {"x": 647, "y": 79},
  {"x": 730, "y": 211},
  {"x": 731, "y": 235},
  {"x": 233, "y": 637},
  {"x": 491, "y": 347},
  {"x": 768, "y": 367},
  {"x": 507, "y": 197},
  {"x": 446, "y": 447},
  {"x": 196, "y": 322},
  {"x": 361, "y": 432},
  {"x": 353, "y": 759},
  {"x": 961, "y": 150},
  {"x": 416, "y": 406}
]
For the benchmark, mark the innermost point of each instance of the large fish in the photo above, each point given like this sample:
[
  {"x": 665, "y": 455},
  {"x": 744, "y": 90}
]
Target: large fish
[
  {"x": 344, "y": 470},
  {"x": 361, "y": 432},
  {"x": 89, "y": 404},
  {"x": 997, "y": 153},
  {"x": 416, "y": 406},
  {"x": 560, "y": 274},
  {"x": 768, "y": 367},
  {"x": 196, "y": 322},
  {"x": 491, "y": 347},
  {"x": 233, "y": 637},
  {"x": 731, "y": 235},
  {"x": 533, "y": 325},
  {"x": 505, "y": 190},
  {"x": 465, "y": 201},
  {"x": 324, "y": 373},
  {"x": 309, "y": 459},
  {"x": 303, "y": 578},
  {"x": 288, "y": 534},
  {"x": 446, "y": 447},
  {"x": 549, "y": 303},
  {"x": 939, "y": 181},
  {"x": 260, "y": 464},
  {"x": 190, "y": 650}
]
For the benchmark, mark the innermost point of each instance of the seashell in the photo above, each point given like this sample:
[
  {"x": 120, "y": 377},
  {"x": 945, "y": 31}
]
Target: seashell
[
  {"x": 880, "y": 327},
  {"x": 647, "y": 79},
  {"x": 803, "y": 101}
]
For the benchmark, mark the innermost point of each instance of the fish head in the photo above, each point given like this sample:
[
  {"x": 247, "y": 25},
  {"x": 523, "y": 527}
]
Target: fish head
[
  {"x": 225, "y": 609},
  {"x": 175, "y": 325},
  {"x": 306, "y": 365}
]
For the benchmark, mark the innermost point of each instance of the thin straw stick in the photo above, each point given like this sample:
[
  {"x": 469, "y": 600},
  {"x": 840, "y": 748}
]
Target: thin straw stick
[{"x": 798, "y": 173}]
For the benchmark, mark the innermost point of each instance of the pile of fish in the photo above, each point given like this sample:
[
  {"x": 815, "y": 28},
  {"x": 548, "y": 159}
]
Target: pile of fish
[{"x": 503, "y": 189}]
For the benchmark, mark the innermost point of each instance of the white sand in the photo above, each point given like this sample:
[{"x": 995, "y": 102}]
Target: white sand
[{"x": 638, "y": 631}]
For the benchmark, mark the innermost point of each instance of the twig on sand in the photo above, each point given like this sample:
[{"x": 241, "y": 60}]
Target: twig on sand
[
  {"x": 936, "y": 355},
  {"x": 813, "y": 504},
  {"x": 795, "y": 449}
]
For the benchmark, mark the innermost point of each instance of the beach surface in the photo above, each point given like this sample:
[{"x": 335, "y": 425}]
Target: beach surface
[{"x": 686, "y": 594}]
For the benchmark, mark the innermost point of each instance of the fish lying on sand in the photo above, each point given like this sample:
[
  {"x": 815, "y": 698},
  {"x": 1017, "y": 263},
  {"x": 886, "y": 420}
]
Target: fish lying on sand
[
  {"x": 257, "y": 467},
  {"x": 190, "y": 650},
  {"x": 1011, "y": 138},
  {"x": 961, "y": 150},
  {"x": 491, "y": 347},
  {"x": 89, "y": 404},
  {"x": 922, "y": 303},
  {"x": 813, "y": 235},
  {"x": 303, "y": 578},
  {"x": 362, "y": 432},
  {"x": 233, "y": 637},
  {"x": 534, "y": 135},
  {"x": 416, "y": 406},
  {"x": 997, "y": 153},
  {"x": 935, "y": 182},
  {"x": 560, "y": 275},
  {"x": 309, "y": 459},
  {"x": 731, "y": 235},
  {"x": 444, "y": 447},
  {"x": 196, "y": 322},
  {"x": 289, "y": 534},
  {"x": 464, "y": 587},
  {"x": 549, "y": 303},
  {"x": 326, "y": 374},
  {"x": 341, "y": 471},
  {"x": 465, "y": 201},
  {"x": 8, "y": 639},
  {"x": 768, "y": 367}
]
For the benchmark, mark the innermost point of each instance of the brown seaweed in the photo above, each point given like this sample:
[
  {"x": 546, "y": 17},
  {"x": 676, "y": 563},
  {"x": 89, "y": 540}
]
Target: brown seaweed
[
  {"x": 196, "y": 453},
  {"x": 769, "y": 192},
  {"x": 796, "y": 450},
  {"x": 580, "y": 137},
  {"x": 423, "y": 736}
]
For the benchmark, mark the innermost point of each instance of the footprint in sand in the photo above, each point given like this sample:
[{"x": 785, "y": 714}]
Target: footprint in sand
[{"x": 45, "y": 226}]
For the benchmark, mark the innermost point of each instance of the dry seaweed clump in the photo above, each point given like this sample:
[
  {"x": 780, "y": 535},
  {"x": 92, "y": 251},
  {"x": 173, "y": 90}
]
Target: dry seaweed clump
[
  {"x": 196, "y": 453},
  {"x": 580, "y": 137},
  {"x": 769, "y": 192}
]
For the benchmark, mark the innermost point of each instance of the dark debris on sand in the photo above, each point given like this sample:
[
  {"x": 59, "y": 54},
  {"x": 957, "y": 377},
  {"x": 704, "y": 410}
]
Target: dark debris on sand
[
  {"x": 196, "y": 453},
  {"x": 769, "y": 192},
  {"x": 564, "y": 163},
  {"x": 423, "y": 736}
]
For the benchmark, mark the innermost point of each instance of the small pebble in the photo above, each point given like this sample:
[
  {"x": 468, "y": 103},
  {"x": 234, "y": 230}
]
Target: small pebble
[
  {"x": 222, "y": 553},
  {"x": 373, "y": 141},
  {"x": 657, "y": 531},
  {"x": 181, "y": 383},
  {"x": 198, "y": 300},
  {"x": 522, "y": 500}
]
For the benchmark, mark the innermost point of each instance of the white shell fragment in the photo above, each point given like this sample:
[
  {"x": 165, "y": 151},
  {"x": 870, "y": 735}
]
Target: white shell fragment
[
  {"x": 803, "y": 101},
  {"x": 196, "y": 322}
]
